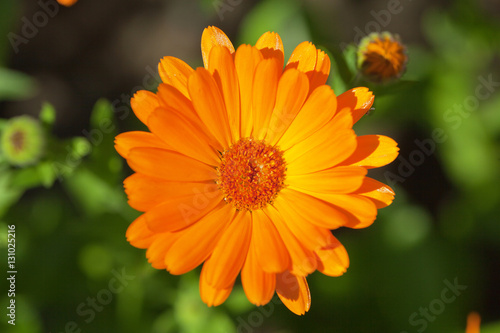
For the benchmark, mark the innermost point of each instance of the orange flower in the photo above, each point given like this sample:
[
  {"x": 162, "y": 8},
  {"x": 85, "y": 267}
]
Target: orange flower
[
  {"x": 247, "y": 167},
  {"x": 381, "y": 57},
  {"x": 67, "y": 3},
  {"x": 473, "y": 323}
]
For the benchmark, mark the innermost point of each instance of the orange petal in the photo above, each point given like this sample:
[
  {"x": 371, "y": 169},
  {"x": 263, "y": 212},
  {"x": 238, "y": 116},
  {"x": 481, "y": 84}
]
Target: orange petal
[
  {"x": 171, "y": 98},
  {"x": 360, "y": 210},
  {"x": 293, "y": 292},
  {"x": 319, "y": 75},
  {"x": 358, "y": 100},
  {"x": 316, "y": 112},
  {"x": 225, "y": 263},
  {"x": 292, "y": 91},
  {"x": 303, "y": 260},
  {"x": 311, "y": 236},
  {"x": 246, "y": 60},
  {"x": 303, "y": 57},
  {"x": 333, "y": 259},
  {"x": 340, "y": 179},
  {"x": 381, "y": 194},
  {"x": 473, "y": 323},
  {"x": 209, "y": 105},
  {"x": 182, "y": 136},
  {"x": 258, "y": 285},
  {"x": 265, "y": 87},
  {"x": 198, "y": 241},
  {"x": 126, "y": 141},
  {"x": 316, "y": 211},
  {"x": 326, "y": 148},
  {"x": 221, "y": 65},
  {"x": 271, "y": 46},
  {"x": 175, "y": 72},
  {"x": 181, "y": 211},
  {"x": 213, "y": 36},
  {"x": 138, "y": 233},
  {"x": 212, "y": 296},
  {"x": 270, "y": 250},
  {"x": 373, "y": 151},
  {"x": 143, "y": 104},
  {"x": 169, "y": 165},
  {"x": 145, "y": 192},
  {"x": 156, "y": 252}
]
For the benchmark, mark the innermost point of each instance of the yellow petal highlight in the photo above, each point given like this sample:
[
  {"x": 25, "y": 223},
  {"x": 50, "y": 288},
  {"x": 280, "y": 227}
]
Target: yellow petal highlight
[
  {"x": 303, "y": 57},
  {"x": 319, "y": 108},
  {"x": 358, "y": 100},
  {"x": 326, "y": 148},
  {"x": 175, "y": 72},
  {"x": 373, "y": 151},
  {"x": 340, "y": 179},
  {"x": 198, "y": 241},
  {"x": 293, "y": 292},
  {"x": 213, "y": 36},
  {"x": 314, "y": 210},
  {"x": 360, "y": 210},
  {"x": 381, "y": 195},
  {"x": 271, "y": 46},
  {"x": 225, "y": 263},
  {"x": 319, "y": 75}
]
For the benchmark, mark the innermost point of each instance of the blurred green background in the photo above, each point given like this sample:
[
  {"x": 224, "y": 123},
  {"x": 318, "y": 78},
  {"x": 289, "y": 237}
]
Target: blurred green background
[{"x": 76, "y": 69}]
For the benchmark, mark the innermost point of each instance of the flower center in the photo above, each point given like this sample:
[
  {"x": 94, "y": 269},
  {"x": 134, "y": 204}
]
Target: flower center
[
  {"x": 17, "y": 140},
  {"x": 251, "y": 174}
]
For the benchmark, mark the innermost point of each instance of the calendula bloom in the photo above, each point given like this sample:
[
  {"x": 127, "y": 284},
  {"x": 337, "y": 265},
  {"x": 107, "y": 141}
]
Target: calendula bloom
[
  {"x": 473, "y": 323},
  {"x": 381, "y": 57},
  {"x": 67, "y": 3},
  {"x": 247, "y": 166},
  {"x": 22, "y": 141}
]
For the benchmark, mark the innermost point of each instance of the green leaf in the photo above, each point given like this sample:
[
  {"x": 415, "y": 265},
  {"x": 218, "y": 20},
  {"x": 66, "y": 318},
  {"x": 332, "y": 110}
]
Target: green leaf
[
  {"x": 47, "y": 115},
  {"x": 15, "y": 85}
]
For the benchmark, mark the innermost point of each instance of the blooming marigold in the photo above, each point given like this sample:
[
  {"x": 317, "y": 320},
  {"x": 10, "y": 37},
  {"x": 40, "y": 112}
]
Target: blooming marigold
[
  {"x": 247, "y": 166},
  {"x": 67, "y": 3},
  {"x": 381, "y": 57},
  {"x": 473, "y": 323}
]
